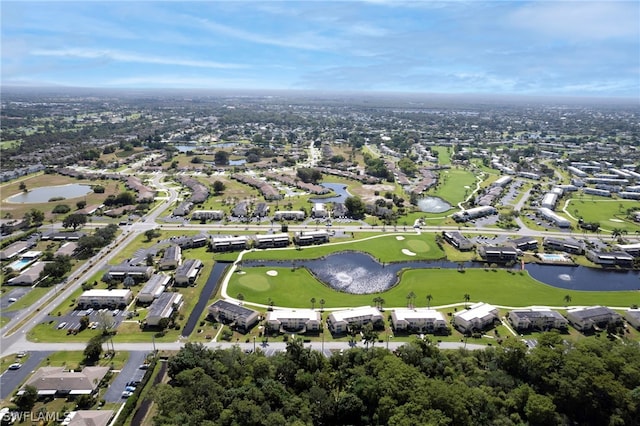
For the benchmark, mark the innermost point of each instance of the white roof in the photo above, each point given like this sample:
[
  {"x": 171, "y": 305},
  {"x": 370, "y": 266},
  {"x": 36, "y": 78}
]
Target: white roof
[
  {"x": 293, "y": 313},
  {"x": 477, "y": 310},
  {"x": 361, "y": 311},
  {"x": 103, "y": 292},
  {"x": 32, "y": 253},
  {"x": 406, "y": 314},
  {"x": 635, "y": 246}
]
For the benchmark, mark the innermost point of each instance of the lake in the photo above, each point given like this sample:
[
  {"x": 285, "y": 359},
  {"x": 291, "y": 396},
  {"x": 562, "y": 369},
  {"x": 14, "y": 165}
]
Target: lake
[
  {"x": 433, "y": 205},
  {"x": 45, "y": 193},
  {"x": 339, "y": 188}
]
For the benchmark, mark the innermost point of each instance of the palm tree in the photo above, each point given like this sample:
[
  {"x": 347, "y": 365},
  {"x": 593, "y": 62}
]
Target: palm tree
[
  {"x": 376, "y": 300},
  {"x": 466, "y": 298},
  {"x": 567, "y": 299},
  {"x": 322, "y": 302},
  {"x": 429, "y": 298},
  {"x": 410, "y": 298},
  {"x": 313, "y": 303},
  {"x": 381, "y": 302}
]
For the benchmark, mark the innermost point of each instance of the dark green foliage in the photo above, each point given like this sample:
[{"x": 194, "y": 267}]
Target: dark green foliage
[
  {"x": 61, "y": 208},
  {"x": 595, "y": 381},
  {"x": 27, "y": 400},
  {"x": 308, "y": 174}
]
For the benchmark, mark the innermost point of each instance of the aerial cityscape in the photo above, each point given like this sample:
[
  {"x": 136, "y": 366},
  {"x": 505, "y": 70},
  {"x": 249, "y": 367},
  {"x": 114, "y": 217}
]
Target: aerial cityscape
[{"x": 310, "y": 213}]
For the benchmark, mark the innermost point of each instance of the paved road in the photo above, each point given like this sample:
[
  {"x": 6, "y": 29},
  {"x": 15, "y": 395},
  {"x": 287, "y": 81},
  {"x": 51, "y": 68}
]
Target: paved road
[{"x": 11, "y": 379}]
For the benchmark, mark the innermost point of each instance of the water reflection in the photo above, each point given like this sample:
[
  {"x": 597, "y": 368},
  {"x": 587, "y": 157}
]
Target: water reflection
[
  {"x": 359, "y": 273},
  {"x": 433, "y": 205},
  {"x": 45, "y": 193}
]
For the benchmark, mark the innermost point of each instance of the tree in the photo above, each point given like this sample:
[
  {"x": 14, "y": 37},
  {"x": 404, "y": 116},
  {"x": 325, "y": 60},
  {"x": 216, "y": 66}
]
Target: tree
[
  {"x": 322, "y": 302},
  {"x": 466, "y": 298},
  {"x": 81, "y": 204},
  {"x": 150, "y": 234},
  {"x": 540, "y": 410},
  {"x": 355, "y": 206},
  {"x": 410, "y": 299},
  {"x": 37, "y": 216},
  {"x": 221, "y": 158},
  {"x": 93, "y": 350},
  {"x": 163, "y": 324},
  {"x": 567, "y": 299},
  {"x": 219, "y": 187},
  {"x": 84, "y": 322},
  {"x": 23, "y": 187},
  {"x": 61, "y": 209},
  {"x": 369, "y": 335},
  {"x": 313, "y": 303},
  {"x": 27, "y": 400},
  {"x": 74, "y": 220},
  {"x": 429, "y": 298},
  {"x": 149, "y": 259}
]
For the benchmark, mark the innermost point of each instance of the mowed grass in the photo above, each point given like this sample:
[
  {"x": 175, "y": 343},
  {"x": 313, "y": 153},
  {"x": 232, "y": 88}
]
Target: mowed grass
[
  {"x": 452, "y": 185},
  {"x": 28, "y": 299},
  {"x": 597, "y": 209},
  {"x": 385, "y": 248},
  {"x": 295, "y": 288}
]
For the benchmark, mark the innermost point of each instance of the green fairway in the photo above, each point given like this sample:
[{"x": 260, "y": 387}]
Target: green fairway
[
  {"x": 454, "y": 186},
  {"x": 385, "y": 248},
  {"x": 446, "y": 286},
  {"x": 610, "y": 214}
]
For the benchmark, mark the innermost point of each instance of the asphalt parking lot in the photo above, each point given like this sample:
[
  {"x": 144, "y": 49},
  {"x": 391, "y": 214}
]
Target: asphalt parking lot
[
  {"x": 129, "y": 372},
  {"x": 72, "y": 319},
  {"x": 11, "y": 379}
]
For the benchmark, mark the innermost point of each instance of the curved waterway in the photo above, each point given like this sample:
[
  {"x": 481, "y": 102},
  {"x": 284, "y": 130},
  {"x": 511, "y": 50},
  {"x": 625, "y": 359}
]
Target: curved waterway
[{"x": 359, "y": 273}]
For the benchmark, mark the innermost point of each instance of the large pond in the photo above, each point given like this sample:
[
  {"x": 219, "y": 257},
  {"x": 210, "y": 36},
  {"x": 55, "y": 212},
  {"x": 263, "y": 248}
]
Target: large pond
[
  {"x": 359, "y": 273},
  {"x": 433, "y": 205},
  {"x": 341, "y": 193},
  {"x": 45, "y": 193}
]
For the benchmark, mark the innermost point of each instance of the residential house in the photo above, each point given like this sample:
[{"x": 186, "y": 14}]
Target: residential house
[
  {"x": 15, "y": 249},
  {"x": 187, "y": 273},
  {"x": 207, "y": 215},
  {"x": 585, "y": 319},
  {"x": 319, "y": 211},
  {"x": 229, "y": 243},
  {"x": 271, "y": 240},
  {"x": 421, "y": 320},
  {"x": 567, "y": 245},
  {"x": 298, "y": 320},
  {"x": 542, "y": 319},
  {"x": 289, "y": 215},
  {"x": 478, "y": 317},
  {"x": 103, "y": 298},
  {"x": 496, "y": 254},
  {"x": 457, "y": 240},
  {"x": 153, "y": 288},
  {"x": 29, "y": 276},
  {"x": 342, "y": 321},
  {"x": 610, "y": 258},
  {"x": 138, "y": 273},
  {"x": 163, "y": 307},
  {"x": 524, "y": 243},
  {"x": 633, "y": 317},
  {"x": 261, "y": 210},
  {"x": 230, "y": 313},
  {"x": 89, "y": 418},
  {"x": 305, "y": 238},
  {"x": 60, "y": 382},
  {"x": 171, "y": 258}
]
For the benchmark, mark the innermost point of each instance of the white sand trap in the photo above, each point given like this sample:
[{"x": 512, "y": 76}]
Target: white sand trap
[
  {"x": 241, "y": 272},
  {"x": 272, "y": 273},
  {"x": 616, "y": 220},
  {"x": 467, "y": 187},
  {"x": 399, "y": 238},
  {"x": 408, "y": 252}
]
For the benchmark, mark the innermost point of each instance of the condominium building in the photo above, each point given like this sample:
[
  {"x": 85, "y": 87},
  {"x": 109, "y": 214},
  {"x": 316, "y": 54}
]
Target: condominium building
[{"x": 341, "y": 321}]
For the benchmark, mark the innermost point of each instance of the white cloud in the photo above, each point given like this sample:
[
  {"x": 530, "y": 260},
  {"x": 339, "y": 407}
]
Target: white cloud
[
  {"x": 121, "y": 56},
  {"x": 580, "y": 20}
]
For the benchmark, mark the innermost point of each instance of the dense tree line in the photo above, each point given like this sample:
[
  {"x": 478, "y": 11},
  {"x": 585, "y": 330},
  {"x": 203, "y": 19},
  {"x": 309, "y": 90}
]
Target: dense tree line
[{"x": 595, "y": 381}]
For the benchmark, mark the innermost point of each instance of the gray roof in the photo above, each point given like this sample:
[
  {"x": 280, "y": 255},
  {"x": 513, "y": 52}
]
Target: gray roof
[
  {"x": 526, "y": 313},
  {"x": 238, "y": 310},
  {"x": 161, "y": 304},
  {"x": 593, "y": 311}
]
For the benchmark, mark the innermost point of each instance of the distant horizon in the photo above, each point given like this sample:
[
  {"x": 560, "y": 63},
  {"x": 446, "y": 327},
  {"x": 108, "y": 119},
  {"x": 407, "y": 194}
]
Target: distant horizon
[
  {"x": 320, "y": 93},
  {"x": 485, "y": 47}
]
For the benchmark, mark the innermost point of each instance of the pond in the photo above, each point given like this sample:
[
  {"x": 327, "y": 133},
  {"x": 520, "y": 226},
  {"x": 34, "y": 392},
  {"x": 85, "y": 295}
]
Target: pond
[
  {"x": 45, "y": 193},
  {"x": 339, "y": 188},
  {"x": 433, "y": 205},
  {"x": 359, "y": 273}
]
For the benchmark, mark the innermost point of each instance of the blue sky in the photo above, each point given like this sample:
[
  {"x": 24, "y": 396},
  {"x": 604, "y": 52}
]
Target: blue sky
[{"x": 583, "y": 48}]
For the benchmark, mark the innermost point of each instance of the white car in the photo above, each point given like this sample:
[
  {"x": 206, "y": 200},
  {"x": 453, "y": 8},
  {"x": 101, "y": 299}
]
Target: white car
[
  {"x": 126, "y": 394},
  {"x": 15, "y": 366}
]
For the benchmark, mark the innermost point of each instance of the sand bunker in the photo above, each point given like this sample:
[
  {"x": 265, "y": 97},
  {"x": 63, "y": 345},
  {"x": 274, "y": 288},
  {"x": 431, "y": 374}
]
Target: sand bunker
[
  {"x": 399, "y": 238},
  {"x": 272, "y": 273},
  {"x": 408, "y": 252},
  {"x": 616, "y": 220}
]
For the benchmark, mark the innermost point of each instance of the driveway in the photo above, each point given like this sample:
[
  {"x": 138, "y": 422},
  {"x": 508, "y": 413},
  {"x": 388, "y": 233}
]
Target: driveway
[
  {"x": 128, "y": 373},
  {"x": 11, "y": 379}
]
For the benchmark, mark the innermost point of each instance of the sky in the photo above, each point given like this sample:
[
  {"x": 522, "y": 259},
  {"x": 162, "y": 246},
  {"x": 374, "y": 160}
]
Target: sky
[{"x": 572, "y": 48}]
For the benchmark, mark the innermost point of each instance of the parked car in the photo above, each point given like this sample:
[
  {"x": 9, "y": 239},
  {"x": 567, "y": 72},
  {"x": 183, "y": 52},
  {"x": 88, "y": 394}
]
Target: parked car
[
  {"x": 12, "y": 299},
  {"x": 21, "y": 354},
  {"x": 116, "y": 312},
  {"x": 62, "y": 325},
  {"x": 15, "y": 366},
  {"x": 130, "y": 388},
  {"x": 127, "y": 394},
  {"x": 133, "y": 383},
  {"x": 144, "y": 366}
]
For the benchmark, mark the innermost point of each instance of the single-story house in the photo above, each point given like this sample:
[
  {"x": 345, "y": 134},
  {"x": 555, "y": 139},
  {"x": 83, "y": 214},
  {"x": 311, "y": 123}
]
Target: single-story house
[
  {"x": 58, "y": 381},
  {"x": 29, "y": 276},
  {"x": 89, "y": 418}
]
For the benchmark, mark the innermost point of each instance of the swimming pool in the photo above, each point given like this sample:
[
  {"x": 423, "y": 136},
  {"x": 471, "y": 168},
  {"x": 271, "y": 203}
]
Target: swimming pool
[
  {"x": 554, "y": 257},
  {"x": 20, "y": 264}
]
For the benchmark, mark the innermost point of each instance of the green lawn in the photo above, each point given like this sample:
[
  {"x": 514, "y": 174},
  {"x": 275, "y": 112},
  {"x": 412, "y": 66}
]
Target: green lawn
[
  {"x": 609, "y": 213},
  {"x": 455, "y": 185},
  {"x": 385, "y": 248},
  {"x": 28, "y": 299},
  {"x": 500, "y": 287}
]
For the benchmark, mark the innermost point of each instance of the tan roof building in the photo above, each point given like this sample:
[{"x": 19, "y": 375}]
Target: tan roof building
[
  {"x": 60, "y": 381},
  {"x": 90, "y": 417}
]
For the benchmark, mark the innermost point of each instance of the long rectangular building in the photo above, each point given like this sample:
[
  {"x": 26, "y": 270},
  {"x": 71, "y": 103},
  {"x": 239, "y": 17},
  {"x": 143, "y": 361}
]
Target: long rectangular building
[
  {"x": 230, "y": 243},
  {"x": 542, "y": 319},
  {"x": 474, "y": 213},
  {"x": 587, "y": 318},
  {"x": 187, "y": 273},
  {"x": 230, "y": 313},
  {"x": 153, "y": 288},
  {"x": 102, "y": 298},
  {"x": 340, "y": 321},
  {"x": 272, "y": 240},
  {"x": 419, "y": 320},
  {"x": 477, "y": 317},
  {"x": 551, "y": 216},
  {"x": 299, "y": 320},
  {"x": 163, "y": 307}
]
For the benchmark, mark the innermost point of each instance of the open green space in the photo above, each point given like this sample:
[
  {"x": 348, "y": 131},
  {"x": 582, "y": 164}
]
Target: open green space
[
  {"x": 454, "y": 185},
  {"x": 610, "y": 214},
  {"x": 385, "y": 248},
  {"x": 295, "y": 288}
]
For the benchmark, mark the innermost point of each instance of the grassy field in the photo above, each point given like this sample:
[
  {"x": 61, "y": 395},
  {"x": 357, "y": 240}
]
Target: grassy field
[
  {"x": 446, "y": 286},
  {"x": 455, "y": 185},
  {"x": 609, "y": 213},
  {"x": 385, "y": 248},
  {"x": 17, "y": 210}
]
